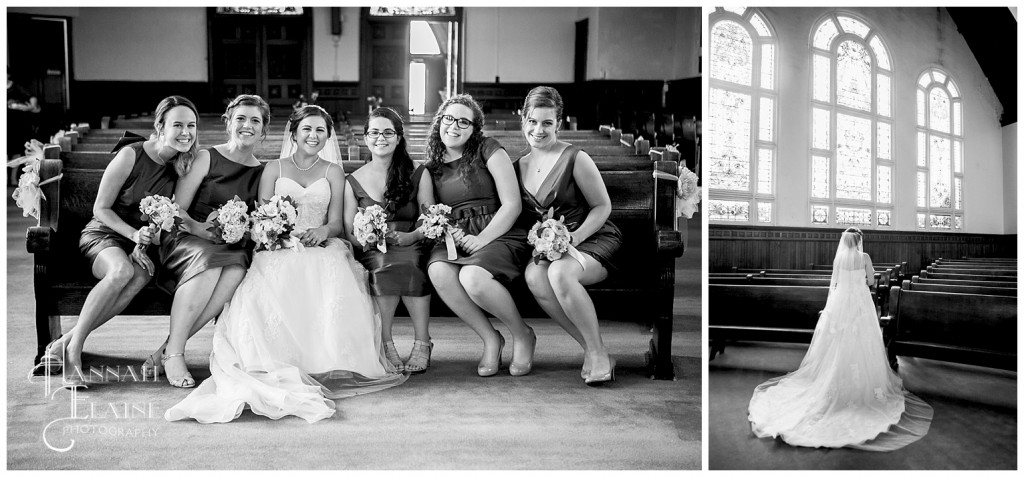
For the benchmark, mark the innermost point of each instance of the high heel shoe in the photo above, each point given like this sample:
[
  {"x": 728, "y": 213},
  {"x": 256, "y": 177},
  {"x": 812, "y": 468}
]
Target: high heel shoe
[
  {"x": 391, "y": 354},
  {"x": 516, "y": 369},
  {"x": 186, "y": 381},
  {"x": 52, "y": 362},
  {"x": 491, "y": 368},
  {"x": 419, "y": 357},
  {"x": 597, "y": 380},
  {"x": 150, "y": 369}
]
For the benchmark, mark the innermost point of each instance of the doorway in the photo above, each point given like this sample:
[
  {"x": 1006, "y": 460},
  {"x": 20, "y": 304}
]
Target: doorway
[
  {"x": 268, "y": 55},
  {"x": 38, "y": 59},
  {"x": 409, "y": 62}
]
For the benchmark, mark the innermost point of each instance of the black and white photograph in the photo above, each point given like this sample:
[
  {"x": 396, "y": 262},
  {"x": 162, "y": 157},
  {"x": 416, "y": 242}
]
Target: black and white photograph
[
  {"x": 862, "y": 238},
  {"x": 441, "y": 237}
]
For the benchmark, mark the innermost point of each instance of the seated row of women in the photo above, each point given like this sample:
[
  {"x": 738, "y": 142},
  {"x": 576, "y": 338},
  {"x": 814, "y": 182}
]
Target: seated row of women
[{"x": 299, "y": 328}]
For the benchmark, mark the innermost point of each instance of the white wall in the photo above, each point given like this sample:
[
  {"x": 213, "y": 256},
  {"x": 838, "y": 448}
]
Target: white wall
[
  {"x": 336, "y": 58},
  {"x": 140, "y": 44},
  {"x": 917, "y": 38},
  {"x": 1010, "y": 178},
  {"x": 520, "y": 44}
]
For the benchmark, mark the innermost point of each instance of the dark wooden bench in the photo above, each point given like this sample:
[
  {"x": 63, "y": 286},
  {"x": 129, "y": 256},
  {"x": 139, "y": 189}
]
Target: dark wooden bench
[
  {"x": 965, "y": 276},
  {"x": 943, "y": 281},
  {"x": 1002, "y": 272},
  {"x": 971, "y": 329},
  {"x": 643, "y": 206},
  {"x": 774, "y": 313},
  {"x": 970, "y": 290}
]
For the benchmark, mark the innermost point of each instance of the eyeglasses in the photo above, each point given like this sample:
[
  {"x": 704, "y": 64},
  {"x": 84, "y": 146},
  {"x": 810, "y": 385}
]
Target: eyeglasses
[
  {"x": 387, "y": 133},
  {"x": 462, "y": 122}
]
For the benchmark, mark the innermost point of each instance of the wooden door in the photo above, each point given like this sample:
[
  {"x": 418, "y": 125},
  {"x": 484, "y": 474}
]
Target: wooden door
[
  {"x": 38, "y": 60},
  {"x": 384, "y": 63},
  {"x": 261, "y": 54}
]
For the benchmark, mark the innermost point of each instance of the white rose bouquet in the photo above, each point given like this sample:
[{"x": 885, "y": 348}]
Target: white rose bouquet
[
  {"x": 272, "y": 224},
  {"x": 687, "y": 192},
  {"x": 550, "y": 239},
  {"x": 231, "y": 220},
  {"x": 436, "y": 223},
  {"x": 371, "y": 227},
  {"x": 161, "y": 213}
]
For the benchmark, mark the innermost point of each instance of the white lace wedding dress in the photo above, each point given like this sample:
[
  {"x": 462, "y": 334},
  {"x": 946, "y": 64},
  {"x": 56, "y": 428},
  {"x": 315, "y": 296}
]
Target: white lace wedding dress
[
  {"x": 844, "y": 394},
  {"x": 300, "y": 330}
]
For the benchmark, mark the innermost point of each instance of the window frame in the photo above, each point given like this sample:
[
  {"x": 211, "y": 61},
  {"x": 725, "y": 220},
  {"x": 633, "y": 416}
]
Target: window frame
[{"x": 954, "y": 139}]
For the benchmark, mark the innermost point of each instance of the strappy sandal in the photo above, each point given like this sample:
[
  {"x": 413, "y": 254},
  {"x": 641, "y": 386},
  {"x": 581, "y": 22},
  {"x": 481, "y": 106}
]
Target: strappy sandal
[
  {"x": 419, "y": 358},
  {"x": 391, "y": 354},
  {"x": 186, "y": 381},
  {"x": 150, "y": 370}
]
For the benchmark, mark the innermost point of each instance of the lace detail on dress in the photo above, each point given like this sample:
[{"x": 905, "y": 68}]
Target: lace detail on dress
[{"x": 313, "y": 201}]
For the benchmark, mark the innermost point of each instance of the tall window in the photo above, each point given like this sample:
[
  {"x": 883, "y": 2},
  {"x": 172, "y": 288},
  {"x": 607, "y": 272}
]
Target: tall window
[
  {"x": 851, "y": 131},
  {"x": 741, "y": 139},
  {"x": 940, "y": 152}
]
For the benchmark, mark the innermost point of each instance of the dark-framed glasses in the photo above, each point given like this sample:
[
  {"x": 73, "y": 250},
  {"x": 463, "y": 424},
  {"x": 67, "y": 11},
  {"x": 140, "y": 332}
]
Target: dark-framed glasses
[
  {"x": 387, "y": 133},
  {"x": 462, "y": 122}
]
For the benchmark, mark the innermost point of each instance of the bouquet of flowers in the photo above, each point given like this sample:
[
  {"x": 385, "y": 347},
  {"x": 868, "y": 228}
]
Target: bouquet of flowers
[
  {"x": 550, "y": 239},
  {"x": 371, "y": 227},
  {"x": 273, "y": 222},
  {"x": 436, "y": 223},
  {"x": 161, "y": 213},
  {"x": 687, "y": 192},
  {"x": 28, "y": 195},
  {"x": 231, "y": 220}
]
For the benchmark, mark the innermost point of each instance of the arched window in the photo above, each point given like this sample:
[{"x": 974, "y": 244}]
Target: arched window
[
  {"x": 741, "y": 140},
  {"x": 940, "y": 152},
  {"x": 851, "y": 131}
]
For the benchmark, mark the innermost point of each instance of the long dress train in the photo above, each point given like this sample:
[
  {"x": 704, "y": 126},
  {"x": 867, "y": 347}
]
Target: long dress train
[
  {"x": 844, "y": 394},
  {"x": 300, "y": 330}
]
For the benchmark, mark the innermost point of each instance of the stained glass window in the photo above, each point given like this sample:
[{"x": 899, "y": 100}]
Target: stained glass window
[
  {"x": 852, "y": 163},
  {"x": 729, "y": 210},
  {"x": 940, "y": 167},
  {"x": 846, "y": 216},
  {"x": 742, "y": 129}
]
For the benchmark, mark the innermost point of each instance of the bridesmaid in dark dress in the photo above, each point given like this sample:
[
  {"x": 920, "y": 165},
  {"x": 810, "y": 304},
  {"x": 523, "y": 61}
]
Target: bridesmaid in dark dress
[
  {"x": 198, "y": 267},
  {"x": 556, "y": 174},
  {"x": 474, "y": 175},
  {"x": 401, "y": 272},
  {"x": 108, "y": 241}
]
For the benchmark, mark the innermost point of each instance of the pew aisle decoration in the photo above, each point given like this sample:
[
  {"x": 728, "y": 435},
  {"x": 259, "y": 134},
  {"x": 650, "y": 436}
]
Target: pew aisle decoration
[
  {"x": 550, "y": 239},
  {"x": 28, "y": 195},
  {"x": 231, "y": 220},
  {"x": 436, "y": 223},
  {"x": 687, "y": 192},
  {"x": 272, "y": 224},
  {"x": 161, "y": 213},
  {"x": 371, "y": 227}
]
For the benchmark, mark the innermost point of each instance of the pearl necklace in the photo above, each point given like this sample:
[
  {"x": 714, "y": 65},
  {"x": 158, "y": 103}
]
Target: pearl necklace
[{"x": 308, "y": 168}]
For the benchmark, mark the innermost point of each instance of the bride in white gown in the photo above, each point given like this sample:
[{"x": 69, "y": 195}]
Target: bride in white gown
[
  {"x": 844, "y": 394},
  {"x": 301, "y": 329}
]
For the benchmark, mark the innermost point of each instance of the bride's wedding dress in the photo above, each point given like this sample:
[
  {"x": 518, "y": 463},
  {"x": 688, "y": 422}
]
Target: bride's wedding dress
[
  {"x": 844, "y": 394},
  {"x": 300, "y": 330}
]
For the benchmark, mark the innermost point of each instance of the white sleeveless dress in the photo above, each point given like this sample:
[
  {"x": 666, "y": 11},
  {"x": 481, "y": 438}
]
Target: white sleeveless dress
[
  {"x": 299, "y": 331},
  {"x": 844, "y": 394}
]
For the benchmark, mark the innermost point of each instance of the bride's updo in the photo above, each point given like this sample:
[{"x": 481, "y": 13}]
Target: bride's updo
[
  {"x": 852, "y": 237},
  {"x": 306, "y": 111}
]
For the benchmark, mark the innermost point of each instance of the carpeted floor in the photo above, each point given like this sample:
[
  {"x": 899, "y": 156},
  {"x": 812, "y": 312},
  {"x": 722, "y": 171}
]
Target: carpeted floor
[
  {"x": 974, "y": 426},
  {"x": 445, "y": 419}
]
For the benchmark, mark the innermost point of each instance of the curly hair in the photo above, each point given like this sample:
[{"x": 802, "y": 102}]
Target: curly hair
[
  {"x": 248, "y": 100},
  {"x": 436, "y": 148},
  {"x": 183, "y": 160},
  {"x": 398, "y": 186}
]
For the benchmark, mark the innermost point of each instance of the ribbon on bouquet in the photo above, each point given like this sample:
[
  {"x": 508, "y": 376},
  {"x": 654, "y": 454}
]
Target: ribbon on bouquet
[
  {"x": 29, "y": 195},
  {"x": 577, "y": 255},
  {"x": 294, "y": 243},
  {"x": 33, "y": 152},
  {"x": 449, "y": 243}
]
